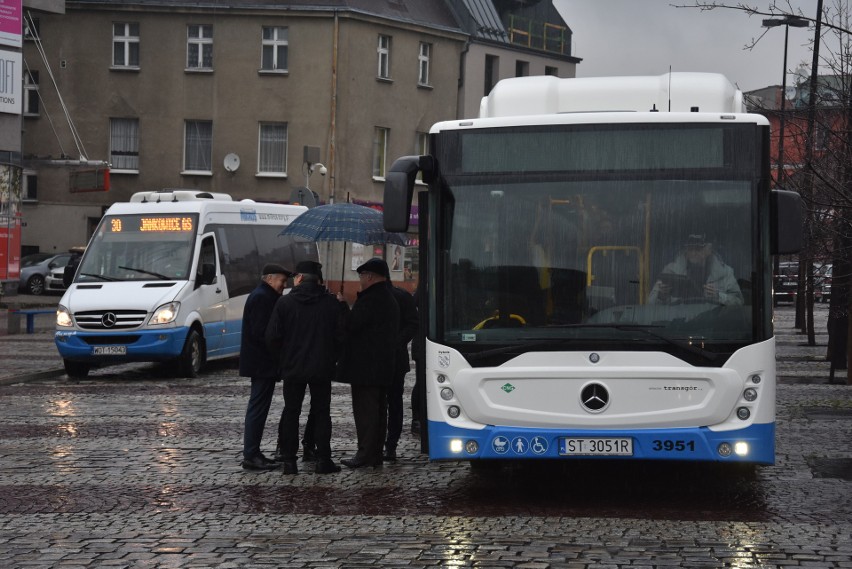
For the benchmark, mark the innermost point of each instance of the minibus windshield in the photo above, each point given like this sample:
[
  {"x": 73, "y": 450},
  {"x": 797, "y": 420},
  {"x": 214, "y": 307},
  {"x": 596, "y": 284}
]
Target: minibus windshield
[{"x": 140, "y": 247}]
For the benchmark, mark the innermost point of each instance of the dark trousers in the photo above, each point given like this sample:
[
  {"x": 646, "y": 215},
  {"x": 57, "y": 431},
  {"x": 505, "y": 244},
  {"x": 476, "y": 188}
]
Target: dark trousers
[
  {"x": 369, "y": 407},
  {"x": 395, "y": 392},
  {"x": 260, "y": 399},
  {"x": 319, "y": 418}
]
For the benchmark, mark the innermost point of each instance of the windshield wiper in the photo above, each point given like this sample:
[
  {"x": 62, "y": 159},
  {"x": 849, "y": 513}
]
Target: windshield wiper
[
  {"x": 706, "y": 355},
  {"x": 102, "y": 277},
  {"x": 158, "y": 275},
  {"x": 690, "y": 348}
]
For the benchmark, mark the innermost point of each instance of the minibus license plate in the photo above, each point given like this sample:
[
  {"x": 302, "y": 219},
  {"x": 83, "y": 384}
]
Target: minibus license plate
[
  {"x": 109, "y": 350},
  {"x": 596, "y": 446}
]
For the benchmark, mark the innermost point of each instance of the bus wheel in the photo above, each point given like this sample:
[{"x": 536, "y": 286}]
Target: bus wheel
[
  {"x": 192, "y": 357},
  {"x": 76, "y": 370}
]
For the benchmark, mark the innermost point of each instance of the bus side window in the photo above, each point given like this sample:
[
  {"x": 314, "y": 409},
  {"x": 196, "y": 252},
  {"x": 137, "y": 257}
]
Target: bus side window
[{"x": 206, "y": 263}]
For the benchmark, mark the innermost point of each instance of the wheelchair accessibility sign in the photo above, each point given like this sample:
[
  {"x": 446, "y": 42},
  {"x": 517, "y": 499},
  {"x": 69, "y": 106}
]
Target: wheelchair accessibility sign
[{"x": 538, "y": 445}]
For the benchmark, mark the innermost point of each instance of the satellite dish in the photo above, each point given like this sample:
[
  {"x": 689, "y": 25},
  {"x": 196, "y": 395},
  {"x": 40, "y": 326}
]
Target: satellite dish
[{"x": 232, "y": 162}]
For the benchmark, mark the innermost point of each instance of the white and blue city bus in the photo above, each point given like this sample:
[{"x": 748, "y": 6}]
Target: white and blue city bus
[
  {"x": 165, "y": 277},
  {"x": 561, "y": 317}
]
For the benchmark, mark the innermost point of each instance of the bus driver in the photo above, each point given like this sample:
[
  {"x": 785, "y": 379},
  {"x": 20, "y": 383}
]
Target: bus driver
[{"x": 697, "y": 273}]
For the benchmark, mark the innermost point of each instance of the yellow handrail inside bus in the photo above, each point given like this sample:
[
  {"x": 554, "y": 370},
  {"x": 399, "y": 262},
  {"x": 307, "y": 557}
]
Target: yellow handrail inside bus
[{"x": 590, "y": 276}]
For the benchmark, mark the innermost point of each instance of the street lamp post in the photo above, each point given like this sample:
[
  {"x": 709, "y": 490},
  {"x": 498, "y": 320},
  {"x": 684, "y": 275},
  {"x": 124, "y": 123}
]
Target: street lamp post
[{"x": 786, "y": 21}]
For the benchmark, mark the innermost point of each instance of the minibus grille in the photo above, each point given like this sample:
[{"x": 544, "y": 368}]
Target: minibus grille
[
  {"x": 111, "y": 339},
  {"x": 110, "y": 319}
]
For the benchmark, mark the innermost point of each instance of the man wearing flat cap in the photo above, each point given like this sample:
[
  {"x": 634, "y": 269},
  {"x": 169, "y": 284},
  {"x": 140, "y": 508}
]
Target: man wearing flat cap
[
  {"x": 697, "y": 273},
  {"x": 372, "y": 331},
  {"x": 306, "y": 332},
  {"x": 258, "y": 363}
]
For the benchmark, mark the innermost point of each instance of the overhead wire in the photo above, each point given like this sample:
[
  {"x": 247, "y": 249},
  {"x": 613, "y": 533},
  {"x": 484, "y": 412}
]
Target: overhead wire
[{"x": 75, "y": 135}]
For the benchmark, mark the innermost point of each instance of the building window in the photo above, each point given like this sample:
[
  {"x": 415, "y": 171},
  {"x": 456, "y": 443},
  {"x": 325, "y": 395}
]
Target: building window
[
  {"x": 554, "y": 71},
  {"x": 124, "y": 145},
  {"x": 125, "y": 45},
  {"x": 29, "y": 191},
  {"x": 31, "y": 96},
  {"x": 380, "y": 152},
  {"x": 383, "y": 51},
  {"x": 492, "y": 72},
  {"x": 199, "y": 47},
  {"x": 198, "y": 147},
  {"x": 423, "y": 60},
  {"x": 274, "y": 49},
  {"x": 421, "y": 148},
  {"x": 272, "y": 149},
  {"x": 522, "y": 68}
]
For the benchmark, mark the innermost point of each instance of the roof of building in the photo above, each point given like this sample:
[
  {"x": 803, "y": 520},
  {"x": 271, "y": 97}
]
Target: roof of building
[{"x": 429, "y": 13}]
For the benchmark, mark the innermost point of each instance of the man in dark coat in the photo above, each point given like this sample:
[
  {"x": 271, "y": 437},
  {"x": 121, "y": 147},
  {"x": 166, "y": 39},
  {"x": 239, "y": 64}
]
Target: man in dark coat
[
  {"x": 306, "y": 332},
  {"x": 258, "y": 363},
  {"x": 372, "y": 332},
  {"x": 408, "y": 324}
]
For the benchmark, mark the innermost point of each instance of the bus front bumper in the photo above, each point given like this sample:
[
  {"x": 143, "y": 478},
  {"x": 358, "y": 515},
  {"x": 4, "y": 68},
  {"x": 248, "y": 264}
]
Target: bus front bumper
[{"x": 754, "y": 444}]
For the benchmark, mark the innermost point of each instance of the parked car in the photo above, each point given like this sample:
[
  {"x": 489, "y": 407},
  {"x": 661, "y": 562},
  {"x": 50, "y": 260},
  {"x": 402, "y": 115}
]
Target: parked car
[
  {"x": 785, "y": 282},
  {"x": 35, "y": 269},
  {"x": 822, "y": 282},
  {"x": 55, "y": 279}
]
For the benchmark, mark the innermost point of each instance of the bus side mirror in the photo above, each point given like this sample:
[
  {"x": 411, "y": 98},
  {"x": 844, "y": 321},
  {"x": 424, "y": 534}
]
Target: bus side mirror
[
  {"x": 786, "y": 222},
  {"x": 399, "y": 189}
]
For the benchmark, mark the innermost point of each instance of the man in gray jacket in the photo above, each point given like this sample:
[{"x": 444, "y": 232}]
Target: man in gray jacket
[{"x": 697, "y": 273}]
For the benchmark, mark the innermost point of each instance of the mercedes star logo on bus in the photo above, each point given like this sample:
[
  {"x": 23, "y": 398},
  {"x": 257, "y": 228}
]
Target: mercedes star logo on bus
[
  {"x": 108, "y": 320},
  {"x": 594, "y": 397}
]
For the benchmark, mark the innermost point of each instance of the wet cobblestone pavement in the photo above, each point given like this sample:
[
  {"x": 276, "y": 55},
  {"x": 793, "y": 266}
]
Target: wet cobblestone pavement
[{"x": 133, "y": 468}]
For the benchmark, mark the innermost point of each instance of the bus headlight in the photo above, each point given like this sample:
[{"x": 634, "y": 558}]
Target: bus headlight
[
  {"x": 447, "y": 394},
  {"x": 743, "y": 413},
  {"x": 456, "y": 446},
  {"x": 165, "y": 314},
  {"x": 741, "y": 448},
  {"x": 63, "y": 317},
  {"x": 750, "y": 394},
  {"x": 453, "y": 411}
]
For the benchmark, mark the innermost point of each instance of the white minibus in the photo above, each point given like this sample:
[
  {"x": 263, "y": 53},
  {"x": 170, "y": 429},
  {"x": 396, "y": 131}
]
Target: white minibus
[{"x": 165, "y": 278}]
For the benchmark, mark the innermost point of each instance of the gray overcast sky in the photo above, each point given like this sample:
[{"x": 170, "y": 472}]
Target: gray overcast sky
[{"x": 645, "y": 37}]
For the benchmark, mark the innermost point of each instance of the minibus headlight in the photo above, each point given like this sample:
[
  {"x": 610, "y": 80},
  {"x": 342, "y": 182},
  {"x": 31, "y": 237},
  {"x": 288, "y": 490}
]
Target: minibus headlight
[
  {"x": 63, "y": 317},
  {"x": 165, "y": 314}
]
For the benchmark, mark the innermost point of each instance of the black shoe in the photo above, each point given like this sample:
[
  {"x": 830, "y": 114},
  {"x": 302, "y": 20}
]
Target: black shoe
[
  {"x": 309, "y": 454},
  {"x": 289, "y": 467},
  {"x": 359, "y": 462},
  {"x": 390, "y": 455},
  {"x": 326, "y": 466},
  {"x": 415, "y": 427},
  {"x": 259, "y": 462}
]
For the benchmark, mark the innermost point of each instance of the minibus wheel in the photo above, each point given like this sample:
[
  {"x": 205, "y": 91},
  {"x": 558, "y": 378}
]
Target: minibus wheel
[
  {"x": 76, "y": 370},
  {"x": 192, "y": 357}
]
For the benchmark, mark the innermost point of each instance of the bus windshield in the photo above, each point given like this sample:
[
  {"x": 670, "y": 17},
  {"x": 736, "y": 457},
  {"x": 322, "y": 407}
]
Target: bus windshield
[
  {"x": 140, "y": 247},
  {"x": 603, "y": 260}
]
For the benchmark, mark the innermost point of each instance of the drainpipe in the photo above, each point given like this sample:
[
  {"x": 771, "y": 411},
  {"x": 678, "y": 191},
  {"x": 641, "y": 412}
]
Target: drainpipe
[{"x": 332, "y": 170}]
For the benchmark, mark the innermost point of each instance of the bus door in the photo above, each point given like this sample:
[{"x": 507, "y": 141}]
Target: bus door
[{"x": 210, "y": 294}]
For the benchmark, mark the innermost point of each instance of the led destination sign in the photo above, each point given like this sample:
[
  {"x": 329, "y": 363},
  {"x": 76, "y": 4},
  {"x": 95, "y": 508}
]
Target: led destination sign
[{"x": 167, "y": 224}]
